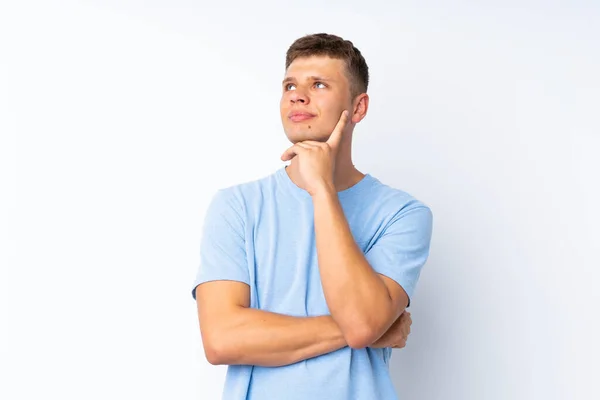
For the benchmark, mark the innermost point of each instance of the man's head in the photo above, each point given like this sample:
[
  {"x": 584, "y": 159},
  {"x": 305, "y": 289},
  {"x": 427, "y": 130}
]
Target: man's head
[{"x": 325, "y": 75}]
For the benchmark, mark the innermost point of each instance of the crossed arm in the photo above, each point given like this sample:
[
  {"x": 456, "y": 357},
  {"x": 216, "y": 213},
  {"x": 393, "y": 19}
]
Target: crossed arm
[
  {"x": 364, "y": 306},
  {"x": 233, "y": 333}
]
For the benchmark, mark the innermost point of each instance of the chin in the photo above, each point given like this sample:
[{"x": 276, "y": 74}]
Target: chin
[{"x": 296, "y": 136}]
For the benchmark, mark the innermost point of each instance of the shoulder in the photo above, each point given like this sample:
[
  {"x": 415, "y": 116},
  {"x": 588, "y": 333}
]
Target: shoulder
[
  {"x": 242, "y": 195},
  {"x": 396, "y": 201}
]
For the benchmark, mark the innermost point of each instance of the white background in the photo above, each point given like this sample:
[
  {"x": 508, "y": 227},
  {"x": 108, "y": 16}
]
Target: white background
[{"x": 120, "y": 119}]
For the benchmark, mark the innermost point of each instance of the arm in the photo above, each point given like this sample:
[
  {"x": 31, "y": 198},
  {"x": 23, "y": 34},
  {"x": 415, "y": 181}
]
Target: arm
[
  {"x": 233, "y": 333},
  {"x": 365, "y": 293},
  {"x": 362, "y": 302}
]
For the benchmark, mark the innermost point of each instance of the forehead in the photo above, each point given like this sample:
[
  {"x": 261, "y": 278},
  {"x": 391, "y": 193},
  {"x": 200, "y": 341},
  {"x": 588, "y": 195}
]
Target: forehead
[{"x": 303, "y": 67}]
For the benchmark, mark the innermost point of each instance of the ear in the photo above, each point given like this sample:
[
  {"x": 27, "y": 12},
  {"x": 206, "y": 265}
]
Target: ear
[{"x": 360, "y": 108}]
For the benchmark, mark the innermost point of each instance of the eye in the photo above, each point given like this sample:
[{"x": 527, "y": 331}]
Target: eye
[
  {"x": 289, "y": 86},
  {"x": 320, "y": 83}
]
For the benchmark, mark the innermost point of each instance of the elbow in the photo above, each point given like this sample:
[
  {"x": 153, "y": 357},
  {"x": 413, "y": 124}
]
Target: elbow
[
  {"x": 213, "y": 356},
  {"x": 363, "y": 334},
  {"x": 215, "y": 352},
  {"x": 359, "y": 338}
]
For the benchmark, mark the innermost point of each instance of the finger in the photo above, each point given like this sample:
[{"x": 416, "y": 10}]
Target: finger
[
  {"x": 298, "y": 147},
  {"x": 311, "y": 143},
  {"x": 336, "y": 136},
  {"x": 406, "y": 328},
  {"x": 405, "y": 320},
  {"x": 292, "y": 152}
]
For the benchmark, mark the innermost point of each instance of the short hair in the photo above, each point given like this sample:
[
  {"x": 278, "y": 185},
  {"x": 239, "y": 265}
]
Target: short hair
[{"x": 324, "y": 44}]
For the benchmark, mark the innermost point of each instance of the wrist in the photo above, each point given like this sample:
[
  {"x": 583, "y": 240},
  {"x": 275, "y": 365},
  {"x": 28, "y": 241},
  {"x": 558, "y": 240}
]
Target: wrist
[{"x": 323, "y": 189}]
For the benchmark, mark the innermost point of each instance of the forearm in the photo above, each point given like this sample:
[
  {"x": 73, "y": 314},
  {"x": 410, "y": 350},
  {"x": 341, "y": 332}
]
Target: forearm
[
  {"x": 256, "y": 337},
  {"x": 357, "y": 297}
]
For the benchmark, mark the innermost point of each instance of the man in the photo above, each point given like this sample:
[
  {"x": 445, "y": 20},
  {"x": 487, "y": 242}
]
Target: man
[{"x": 305, "y": 274}]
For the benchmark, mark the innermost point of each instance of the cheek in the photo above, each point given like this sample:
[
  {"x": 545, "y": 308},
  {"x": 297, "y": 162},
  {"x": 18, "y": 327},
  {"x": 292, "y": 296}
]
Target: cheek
[{"x": 284, "y": 105}]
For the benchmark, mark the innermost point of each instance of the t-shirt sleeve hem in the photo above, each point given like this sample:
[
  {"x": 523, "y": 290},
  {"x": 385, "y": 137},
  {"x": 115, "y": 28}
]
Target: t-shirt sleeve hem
[
  {"x": 402, "y": 280},
  {"x": 207, "y": 279}
]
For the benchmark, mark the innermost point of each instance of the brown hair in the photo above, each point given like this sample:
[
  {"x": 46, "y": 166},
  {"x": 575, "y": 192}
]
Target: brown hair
[{"x": 323, "y": 44}]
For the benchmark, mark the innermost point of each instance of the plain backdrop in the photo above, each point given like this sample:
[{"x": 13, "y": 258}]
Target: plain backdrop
[{"x": 120, "y": 119}]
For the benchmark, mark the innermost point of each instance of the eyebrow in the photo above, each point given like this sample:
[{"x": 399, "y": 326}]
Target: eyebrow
[{"x": 309, "y": 78}]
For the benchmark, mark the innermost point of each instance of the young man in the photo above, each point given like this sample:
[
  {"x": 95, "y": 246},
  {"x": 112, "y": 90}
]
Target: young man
[{"x": 305, "y": 274}]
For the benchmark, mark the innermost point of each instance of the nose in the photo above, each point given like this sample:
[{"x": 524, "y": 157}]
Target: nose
[{"x": 298, "y": 96}]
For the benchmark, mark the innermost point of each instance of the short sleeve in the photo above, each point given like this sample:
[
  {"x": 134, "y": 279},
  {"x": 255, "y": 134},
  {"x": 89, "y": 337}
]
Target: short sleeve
[
  {"x": 403, "y": 248},
  {"x": 222, "y": 244}
]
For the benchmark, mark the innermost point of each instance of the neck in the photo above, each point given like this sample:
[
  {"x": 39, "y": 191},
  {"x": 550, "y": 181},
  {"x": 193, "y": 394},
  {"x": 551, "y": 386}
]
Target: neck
[{"x": 345, "y": 174}]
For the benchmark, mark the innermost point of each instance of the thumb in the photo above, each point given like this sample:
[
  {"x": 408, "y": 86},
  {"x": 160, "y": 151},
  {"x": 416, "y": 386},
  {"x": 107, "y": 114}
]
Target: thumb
[{"x": 338, "y": 132}]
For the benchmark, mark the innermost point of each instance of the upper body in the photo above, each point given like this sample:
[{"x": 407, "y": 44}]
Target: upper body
[
  {"x": 306, "y": 273},
  {"x": 262, "y": 234}
]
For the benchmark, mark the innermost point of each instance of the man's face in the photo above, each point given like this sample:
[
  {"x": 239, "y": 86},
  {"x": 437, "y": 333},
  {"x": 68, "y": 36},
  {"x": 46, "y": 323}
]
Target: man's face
[{"x": 315, "y": 92}]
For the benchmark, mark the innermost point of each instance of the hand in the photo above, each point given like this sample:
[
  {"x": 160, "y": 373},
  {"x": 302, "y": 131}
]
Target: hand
[
  {"x": 397, "y": 335},
  {"x": 316, "y": 160}
]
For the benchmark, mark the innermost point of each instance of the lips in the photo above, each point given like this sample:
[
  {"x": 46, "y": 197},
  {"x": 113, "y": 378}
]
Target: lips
[{"x": 300, "y": 116}]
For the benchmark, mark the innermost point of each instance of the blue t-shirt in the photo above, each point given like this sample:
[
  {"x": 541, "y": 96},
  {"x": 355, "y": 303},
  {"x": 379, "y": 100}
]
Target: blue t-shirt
[{"x": 262, "y": 233}]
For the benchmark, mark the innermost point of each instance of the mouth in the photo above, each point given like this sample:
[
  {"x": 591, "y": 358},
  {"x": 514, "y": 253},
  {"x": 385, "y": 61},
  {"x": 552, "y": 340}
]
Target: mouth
[{"x": 300, "y": 116}]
